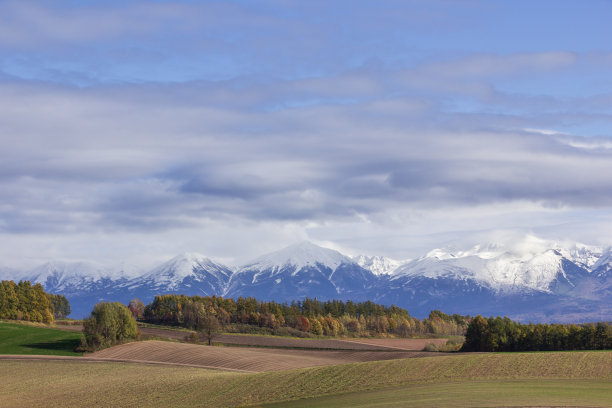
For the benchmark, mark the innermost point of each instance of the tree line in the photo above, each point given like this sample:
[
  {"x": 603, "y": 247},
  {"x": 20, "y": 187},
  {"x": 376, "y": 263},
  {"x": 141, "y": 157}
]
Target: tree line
[
  {"x": 329, "y": 318},
  {"x": 503, "y": 334},
  {"x": 24, "y": 301}
]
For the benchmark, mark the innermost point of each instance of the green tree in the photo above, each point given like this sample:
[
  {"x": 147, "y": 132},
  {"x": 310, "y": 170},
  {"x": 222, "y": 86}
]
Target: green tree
[
  {"x": 109, "y": 324},
  {"x": 59, "y": 305},
  {"x": 477, "y": 335}
]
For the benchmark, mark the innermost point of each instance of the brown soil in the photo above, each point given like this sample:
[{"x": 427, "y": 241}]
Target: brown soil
[
  {"x": 270, "y": 341},
  {"x": 402, "y": 344},
  {"x": 239, "y": 358}
]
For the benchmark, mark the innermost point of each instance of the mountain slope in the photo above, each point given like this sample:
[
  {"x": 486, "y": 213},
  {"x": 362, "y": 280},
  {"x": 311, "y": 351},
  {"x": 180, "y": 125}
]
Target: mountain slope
[
  {"x": 378, "y": 265},
  {"x": 189, "y": 273},
  {"x": 299, "y": 271}
]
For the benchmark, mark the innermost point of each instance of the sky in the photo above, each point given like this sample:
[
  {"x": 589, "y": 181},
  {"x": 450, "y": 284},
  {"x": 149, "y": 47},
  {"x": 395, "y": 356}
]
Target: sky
[{"x": 132, "y": 131}]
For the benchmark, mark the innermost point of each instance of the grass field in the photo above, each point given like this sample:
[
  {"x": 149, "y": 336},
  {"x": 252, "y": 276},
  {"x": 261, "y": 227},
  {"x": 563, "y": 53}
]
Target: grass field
[
  {"x": 482, "y": 393},
  {"x": 19, "y": 338},
  {"x": 557, "y": 378}
]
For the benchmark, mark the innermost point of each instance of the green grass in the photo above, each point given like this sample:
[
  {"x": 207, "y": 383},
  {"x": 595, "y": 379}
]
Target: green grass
[
  {"x": 19, "y": 338},
  {"x": 566, "y": 379}
]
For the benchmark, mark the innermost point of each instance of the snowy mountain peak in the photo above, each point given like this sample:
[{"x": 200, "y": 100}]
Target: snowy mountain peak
[
  {"x": 59, "y": 275},
  {"x": 378, "y": 265},
  {"x": 183, "y": 266},
  {"x": 299, "y": 256}
]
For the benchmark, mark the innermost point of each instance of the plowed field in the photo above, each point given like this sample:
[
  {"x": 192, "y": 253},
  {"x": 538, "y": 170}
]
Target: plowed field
[
  {"x": 270, "y": 341},
  {"x": 402, "y": 344},
  {"x": 242, "y": 359}
]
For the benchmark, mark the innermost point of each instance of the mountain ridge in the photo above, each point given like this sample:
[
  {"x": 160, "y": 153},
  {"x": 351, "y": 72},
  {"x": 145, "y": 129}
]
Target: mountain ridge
[{"x": 542, "y": 282}]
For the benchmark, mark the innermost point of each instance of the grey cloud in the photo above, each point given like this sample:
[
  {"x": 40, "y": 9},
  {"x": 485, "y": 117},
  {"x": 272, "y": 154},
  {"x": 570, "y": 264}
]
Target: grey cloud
[{"x": 151, "y": 157}]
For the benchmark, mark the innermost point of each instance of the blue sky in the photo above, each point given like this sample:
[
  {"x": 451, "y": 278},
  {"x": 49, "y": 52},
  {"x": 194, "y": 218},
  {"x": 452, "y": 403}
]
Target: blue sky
[{"x": 136, "y": 130}]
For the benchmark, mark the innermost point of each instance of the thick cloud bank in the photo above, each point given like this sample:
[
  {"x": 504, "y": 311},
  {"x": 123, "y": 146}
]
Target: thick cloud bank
[{"x": 133, "y": 128}]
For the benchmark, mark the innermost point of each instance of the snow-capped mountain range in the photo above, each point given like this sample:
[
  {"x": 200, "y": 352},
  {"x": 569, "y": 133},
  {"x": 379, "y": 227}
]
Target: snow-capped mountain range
[{"x": 532, "y": 280}]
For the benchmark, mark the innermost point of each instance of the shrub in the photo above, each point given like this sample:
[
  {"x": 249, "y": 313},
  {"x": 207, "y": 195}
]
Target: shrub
[
  {"x": 192, "y": 337},
  {"x": 430, "y": 347},
  {"x": 290, "y": 332}
]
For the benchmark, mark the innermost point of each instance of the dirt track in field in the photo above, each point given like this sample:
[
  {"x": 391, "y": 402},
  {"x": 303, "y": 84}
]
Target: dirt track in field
[{"x": 239, "y": 358}]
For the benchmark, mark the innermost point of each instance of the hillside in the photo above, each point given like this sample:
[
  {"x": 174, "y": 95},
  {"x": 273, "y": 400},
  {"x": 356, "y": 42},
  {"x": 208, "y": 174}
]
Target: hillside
[{"x": 588, "y": 374}]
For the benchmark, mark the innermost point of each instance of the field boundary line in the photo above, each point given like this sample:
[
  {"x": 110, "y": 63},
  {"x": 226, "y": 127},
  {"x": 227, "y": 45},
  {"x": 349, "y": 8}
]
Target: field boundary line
[
  {"x": 391, "y": 347},
  {"x": 33, "y": 357}
]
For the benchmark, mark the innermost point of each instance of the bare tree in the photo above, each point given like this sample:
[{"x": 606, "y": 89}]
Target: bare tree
[{"x": 209, "y": 327}]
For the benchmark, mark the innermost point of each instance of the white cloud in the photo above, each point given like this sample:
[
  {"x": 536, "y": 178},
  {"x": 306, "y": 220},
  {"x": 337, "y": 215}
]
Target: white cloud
[{"x": 486, "y": 65}]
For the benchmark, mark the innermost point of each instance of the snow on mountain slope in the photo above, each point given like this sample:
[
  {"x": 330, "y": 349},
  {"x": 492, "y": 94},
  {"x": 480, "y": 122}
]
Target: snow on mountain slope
[
  {"x": 604, "y": 264},
  {"x": 521, "y": 267},
  {"x": 582, "y": 255},
  {"x": 188, "y": 269},
  {"x": 60, "y": 275},
  {"x": 378, "y": 265},
  {"x": 298, "y": 256},
  {"x": 301, "y": 270}
]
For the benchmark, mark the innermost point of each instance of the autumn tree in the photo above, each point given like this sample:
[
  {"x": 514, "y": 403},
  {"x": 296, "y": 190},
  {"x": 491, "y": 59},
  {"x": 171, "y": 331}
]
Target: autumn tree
[
  {"x": 137, "y": 308},
  {"x": 8, "y": 300},
  {"x": 24, "y": 301}
]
